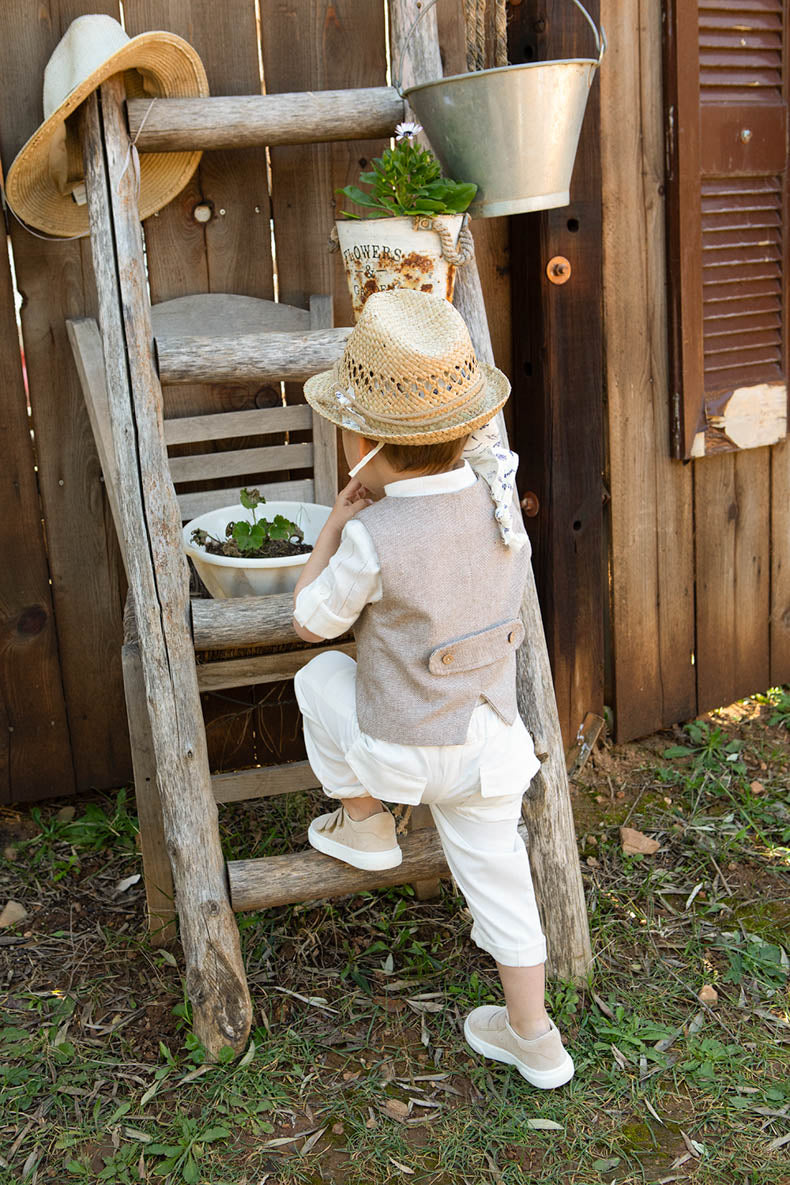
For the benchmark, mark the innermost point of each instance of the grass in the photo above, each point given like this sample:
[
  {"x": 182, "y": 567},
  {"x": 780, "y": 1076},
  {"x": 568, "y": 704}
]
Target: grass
[{"x": 357, "y": 1071}]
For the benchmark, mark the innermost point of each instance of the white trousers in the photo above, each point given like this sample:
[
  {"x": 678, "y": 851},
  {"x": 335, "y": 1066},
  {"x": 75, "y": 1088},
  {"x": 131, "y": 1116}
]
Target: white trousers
[{"x": 474, "y": 792}]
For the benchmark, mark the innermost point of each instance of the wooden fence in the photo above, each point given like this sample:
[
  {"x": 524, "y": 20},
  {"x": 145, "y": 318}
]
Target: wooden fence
[
  {"x": 63, "y": 726},
  {"x": 665, "y": 586}
]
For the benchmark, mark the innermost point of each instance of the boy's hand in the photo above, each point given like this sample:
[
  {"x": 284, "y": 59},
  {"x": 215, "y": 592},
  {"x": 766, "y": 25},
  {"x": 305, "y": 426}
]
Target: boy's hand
[{"x": 353, "y": 498}]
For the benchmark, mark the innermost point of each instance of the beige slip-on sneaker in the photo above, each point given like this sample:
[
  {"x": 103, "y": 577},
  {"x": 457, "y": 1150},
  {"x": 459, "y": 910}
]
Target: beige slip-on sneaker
[
  {"x": 543, "y": 1061},
  {"x": 370, "y": 843}
]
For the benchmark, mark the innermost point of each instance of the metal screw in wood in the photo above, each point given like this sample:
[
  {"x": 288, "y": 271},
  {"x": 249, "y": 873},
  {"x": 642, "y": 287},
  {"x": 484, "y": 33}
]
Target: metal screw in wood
[{"x": 558, "y": 269}]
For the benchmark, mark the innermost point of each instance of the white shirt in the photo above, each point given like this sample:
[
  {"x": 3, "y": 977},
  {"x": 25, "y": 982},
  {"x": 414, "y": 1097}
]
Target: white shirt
[{"x": 331, "y": 603}]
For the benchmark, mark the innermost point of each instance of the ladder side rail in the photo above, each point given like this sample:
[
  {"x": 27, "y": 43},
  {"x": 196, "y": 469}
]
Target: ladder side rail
[
  {"x": 157, "y": 572},
  {"x": 553, "y": 851}
]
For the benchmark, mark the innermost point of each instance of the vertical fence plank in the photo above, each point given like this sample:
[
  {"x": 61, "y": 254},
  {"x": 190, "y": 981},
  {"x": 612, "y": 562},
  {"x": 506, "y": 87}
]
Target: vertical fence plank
[
  {"x": 780, "y": 563},
  {"x": 317, "y": 45},
  {"x": 491, "y": 235},
  {"x": 652, "y": 577},
  {"x": 558, "y": 386},
  {"x": 56, "y": 281},
  {"x": 35, "y": 750},
  {"x": 229, "y": 253},
  {"x": 731, "y": 508}
]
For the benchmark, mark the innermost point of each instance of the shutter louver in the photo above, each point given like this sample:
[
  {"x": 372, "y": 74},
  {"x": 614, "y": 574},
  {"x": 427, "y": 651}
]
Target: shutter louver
[{"x": 727, "y": 150}]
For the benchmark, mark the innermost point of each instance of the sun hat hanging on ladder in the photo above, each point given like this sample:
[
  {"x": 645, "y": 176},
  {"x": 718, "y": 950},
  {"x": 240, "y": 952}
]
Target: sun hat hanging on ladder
[{"x": 44, "y": 185}]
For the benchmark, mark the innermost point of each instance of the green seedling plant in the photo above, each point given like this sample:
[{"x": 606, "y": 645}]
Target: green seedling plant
[
  {"x": 259, "y": 539},
  {"x": 777, "y": 698},
  {"x": 407, "y": 181}
]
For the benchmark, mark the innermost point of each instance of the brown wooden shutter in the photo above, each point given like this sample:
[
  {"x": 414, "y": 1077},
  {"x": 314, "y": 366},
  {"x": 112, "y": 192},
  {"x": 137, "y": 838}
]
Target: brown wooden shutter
[{"x": 726, "y": 134}]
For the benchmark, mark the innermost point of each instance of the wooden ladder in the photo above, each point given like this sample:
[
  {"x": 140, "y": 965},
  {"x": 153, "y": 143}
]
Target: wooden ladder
[{"x": 175, "y": 789}]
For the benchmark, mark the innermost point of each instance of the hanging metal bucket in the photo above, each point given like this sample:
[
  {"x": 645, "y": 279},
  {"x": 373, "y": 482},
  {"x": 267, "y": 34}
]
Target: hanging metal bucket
[{"x": 512, "y": 130}]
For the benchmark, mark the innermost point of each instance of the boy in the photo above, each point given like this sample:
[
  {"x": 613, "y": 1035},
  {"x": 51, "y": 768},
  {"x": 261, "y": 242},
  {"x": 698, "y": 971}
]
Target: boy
[{"x": 431, "y": 578}]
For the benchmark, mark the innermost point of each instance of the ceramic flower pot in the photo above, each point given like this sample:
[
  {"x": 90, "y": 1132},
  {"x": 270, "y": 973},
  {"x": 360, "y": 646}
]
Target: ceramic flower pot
[
  {"x": 226, "y": 576},
  {"x": 383, "y": 253}
]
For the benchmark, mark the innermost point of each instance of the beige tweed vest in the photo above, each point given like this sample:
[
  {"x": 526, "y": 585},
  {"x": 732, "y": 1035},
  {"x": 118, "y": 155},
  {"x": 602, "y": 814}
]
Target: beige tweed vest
[{"x": 447, "y": 628}]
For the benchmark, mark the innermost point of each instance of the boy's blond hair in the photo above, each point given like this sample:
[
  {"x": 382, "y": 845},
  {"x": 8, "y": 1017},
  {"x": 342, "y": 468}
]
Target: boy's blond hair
[{"x": 428, "y": 458}]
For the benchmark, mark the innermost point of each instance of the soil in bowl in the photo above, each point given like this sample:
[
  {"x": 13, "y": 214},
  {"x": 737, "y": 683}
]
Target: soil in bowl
[
  {"x": 271, "y": 549},
  {"x": 259, "y": 539}
]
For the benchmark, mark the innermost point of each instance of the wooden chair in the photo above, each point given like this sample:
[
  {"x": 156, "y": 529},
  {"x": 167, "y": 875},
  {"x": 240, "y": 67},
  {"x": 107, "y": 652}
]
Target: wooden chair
[{"x": 206, "y": 318}]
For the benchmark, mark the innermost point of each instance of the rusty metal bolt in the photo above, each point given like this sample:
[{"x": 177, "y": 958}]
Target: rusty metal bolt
[
  {"x": 530, "y": 504},
  {"x": 558, "y": 269}
]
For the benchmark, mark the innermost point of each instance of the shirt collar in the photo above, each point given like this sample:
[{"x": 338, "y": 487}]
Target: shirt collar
[{"x": 432, "y": 483}]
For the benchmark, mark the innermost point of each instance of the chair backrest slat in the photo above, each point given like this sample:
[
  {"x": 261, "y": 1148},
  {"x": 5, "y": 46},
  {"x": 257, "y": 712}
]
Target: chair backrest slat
[
  {"x": 191, "y": 505},
  {"x": 258, "y": 421},
  {"x": 207, "y": 466}
]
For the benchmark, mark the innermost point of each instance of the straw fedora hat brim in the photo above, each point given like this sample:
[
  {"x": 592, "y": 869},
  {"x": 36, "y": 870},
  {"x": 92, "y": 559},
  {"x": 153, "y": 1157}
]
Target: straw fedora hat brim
[
  {"x": 32, "y": 193},
  {"x": 320, "y": 393}
]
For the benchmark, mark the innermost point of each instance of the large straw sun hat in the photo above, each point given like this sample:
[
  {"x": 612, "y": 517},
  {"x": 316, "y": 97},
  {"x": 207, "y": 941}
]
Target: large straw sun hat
[
  {"x": 44, "y": 185},
  {"x": 408, "y": 374}
]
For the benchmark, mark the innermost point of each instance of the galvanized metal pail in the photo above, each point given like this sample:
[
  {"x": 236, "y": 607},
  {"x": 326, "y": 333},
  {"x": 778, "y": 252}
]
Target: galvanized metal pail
[{"x": 512, "y": 130}]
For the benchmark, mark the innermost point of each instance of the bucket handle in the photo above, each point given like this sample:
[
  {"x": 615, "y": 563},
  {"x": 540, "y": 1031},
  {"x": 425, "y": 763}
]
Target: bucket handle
[{"x": 598, "y": 34}]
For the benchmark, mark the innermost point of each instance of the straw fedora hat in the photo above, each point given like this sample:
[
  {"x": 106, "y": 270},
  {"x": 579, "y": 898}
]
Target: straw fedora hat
[
  {"x": 44, "y": 185},
  {"x": 408, "y": 374}
]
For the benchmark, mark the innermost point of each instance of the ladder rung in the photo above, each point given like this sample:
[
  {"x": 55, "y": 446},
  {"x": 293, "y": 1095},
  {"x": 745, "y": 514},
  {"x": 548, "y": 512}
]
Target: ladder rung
[
  {"x": 266, "y": 782},
  {"x": 259, "y": 668},
  {"x": 307, "y": 876},
  {"x": 258, "y": 357},
  {"x": 241, "y": 121},
  {"x": 234, "y": 462},
  {"x": 257, "y": 421},
  {"x": 242, "y": 621}
]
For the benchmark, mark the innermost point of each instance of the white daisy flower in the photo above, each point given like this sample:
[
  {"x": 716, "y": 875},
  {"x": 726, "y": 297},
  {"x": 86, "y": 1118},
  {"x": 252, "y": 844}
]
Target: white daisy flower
[{"x": 407, "y": 130}]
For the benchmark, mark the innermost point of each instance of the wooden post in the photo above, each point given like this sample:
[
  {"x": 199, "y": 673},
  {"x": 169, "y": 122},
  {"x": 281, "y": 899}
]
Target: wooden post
[
  {"x": 553, "y": 852},
  {"x": 157, "y": 571}
]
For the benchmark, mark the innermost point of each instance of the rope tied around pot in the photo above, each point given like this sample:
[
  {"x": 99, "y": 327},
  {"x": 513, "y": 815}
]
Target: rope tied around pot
[{"x": 455, "y": 254}]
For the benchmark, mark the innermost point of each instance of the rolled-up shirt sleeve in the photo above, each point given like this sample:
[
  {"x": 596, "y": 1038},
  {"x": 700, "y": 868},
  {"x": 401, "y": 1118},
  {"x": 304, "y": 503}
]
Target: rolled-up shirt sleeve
[{"x": 331, "y": 603}]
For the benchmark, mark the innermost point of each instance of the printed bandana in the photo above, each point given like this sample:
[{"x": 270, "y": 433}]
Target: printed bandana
[{"x": 497, "y": 466}]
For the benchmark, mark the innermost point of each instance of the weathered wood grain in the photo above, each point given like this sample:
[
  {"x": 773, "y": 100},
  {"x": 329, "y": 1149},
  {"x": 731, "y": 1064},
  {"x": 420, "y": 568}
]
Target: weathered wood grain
[
  {"x": 652, "y": 529},
  {"x": 491, "y": 235},
  {"x": 158, "y": 582},
  {"x": 261, "y": 668},
  {"x": 318, "y": 45},
  {"x": 326, "y": 438},
  {"x": 309, "y": 876},
  {"x": 557, "y": 380},
  {"x": 191, "y": 505},
  {"x": 731, "y": 510},
  {"x": 265, "y": 782},
  {"x": 780, "y": 564},
  {"x": 216, "y": 314},
  {"x": 264, "y": 357},
  {"x": 547, "y": 808},
  {"x": 249, "y": 460},
  {"x": 234, "y": 423},
  {"x": 236, "y": 121},
  {"x": 157, "y": 873},
  {"x": 231, "y": 253},
  {"x": 35, "y": 750},
  {"x": 55, "y": 279},
  {"x": 243, "y": 621}
]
